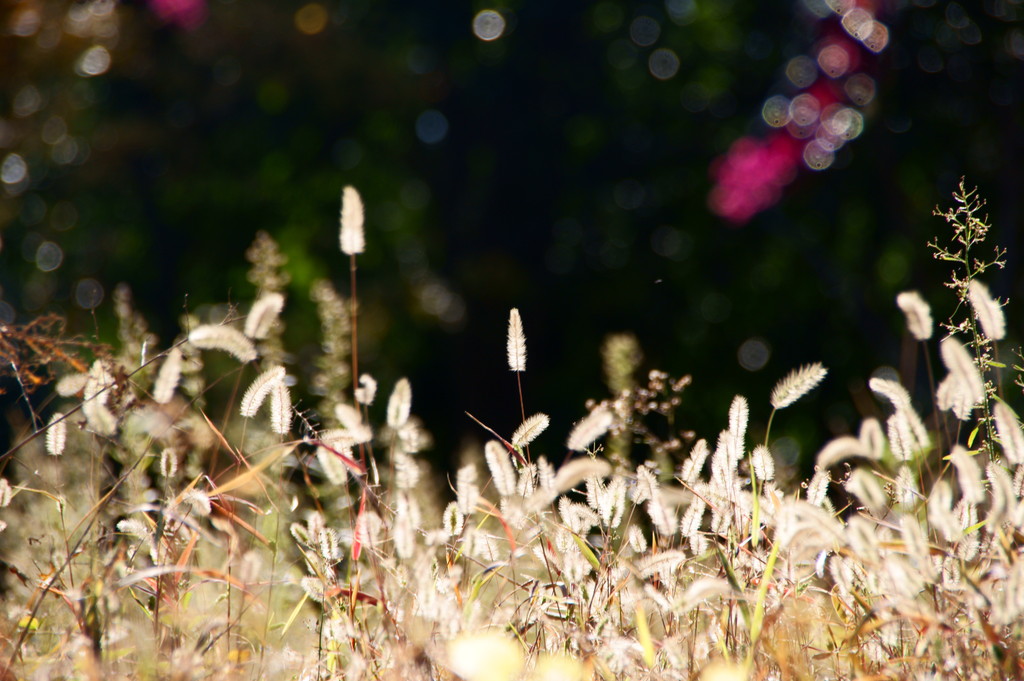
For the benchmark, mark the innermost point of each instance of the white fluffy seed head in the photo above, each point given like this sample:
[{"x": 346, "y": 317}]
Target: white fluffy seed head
[
  {"x": 530, "y": 429},
  {"x": 917, "y": 313},
  {"x": 280, "y": 409},
  {"x": 258, "y": 390},
  {"x": 225, "y": 338},
  {"x": 987, "y": 309},
  {"x": 453, "y": 519},
  {"x": 502, "y": 472},
  {"x": 516, "y": 342},
  {"x": 1009, "y": 433},
  {"x": 817, "y": 488},
  {"x": 593, "y": 426},
  {"x": 763, "y": 463},
  {"x": 796, "y": 384},
  {"x": 963, "y": 389},
  {"x": 968, "y": 474},
  {"x": 400, "y": 403},
  {"x": 367, "y": 389},
  {"x": 56, "y": 434},
  {"x": 263, "y": 314},
  {"x": 466, "y": 490},
  {"x": 168, "y": 463},
  {"x": 352, "y": 236},
  {"x": 168, "y": 377}
]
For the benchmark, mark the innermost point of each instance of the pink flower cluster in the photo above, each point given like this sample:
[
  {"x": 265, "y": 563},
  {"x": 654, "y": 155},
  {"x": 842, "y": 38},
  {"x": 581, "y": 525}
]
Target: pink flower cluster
[
  {"x": 751, "y": 176},
  {"x": 809, "y": 129},
  {"x": 185, "y": 14}
]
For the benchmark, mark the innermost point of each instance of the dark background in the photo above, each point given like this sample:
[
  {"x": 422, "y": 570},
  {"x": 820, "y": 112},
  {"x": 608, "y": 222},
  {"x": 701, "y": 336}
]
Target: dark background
[{"x": 547, "y": 170}]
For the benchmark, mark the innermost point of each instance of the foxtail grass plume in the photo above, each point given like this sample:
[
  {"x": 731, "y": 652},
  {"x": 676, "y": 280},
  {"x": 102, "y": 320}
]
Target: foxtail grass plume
[
  {"x": 502, "y": 472},
  {"x": 1009, "y": 433},
  {"x": 968, "y": 474},
  {"x": 516, "y": 342},
  {"x": 367, "y": 390},
  {"x": 839, "y": 449},
  {"x": 168, "y": 377},
  {"x": 96, "y": 393},
  {"x": 72, "y": 384},
  {"x": 796, "y": 384},
  {"x": 263, "y": 314},
  {"x": 225, "y": 338},
  {"x": 988, "y": 310},
  {"x": 763, "y": 463},
  {"x": 963, "y": 389},
  {"x": 452, "y": 519},
  {"x": 56, "y": 434},
  {"x": 352, "y": 237},
  {"x": 168, "y": 463},
  {"x": 280, "y": 409},
  {"x": 259, "y": 389},
  {"x": 593, "y": 426},
  {"x": 907, "y": 433},
  {"x": 918, "y": 314},
  {"x": 578, "y": 470},
  {"x": 530, "y": 429},
  {"x": 568, "y": 476},
  {"x": 400, "y": 403}
]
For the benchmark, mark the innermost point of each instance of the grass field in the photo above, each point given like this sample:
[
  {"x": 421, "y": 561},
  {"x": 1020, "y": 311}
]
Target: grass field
[{"x": 170, "y": 513}]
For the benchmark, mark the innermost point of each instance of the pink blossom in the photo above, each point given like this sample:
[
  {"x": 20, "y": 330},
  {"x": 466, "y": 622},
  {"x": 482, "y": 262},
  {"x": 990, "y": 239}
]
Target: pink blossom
[
  {"x": 185, "y": 14},
  {"x": 752, "y": 175}
]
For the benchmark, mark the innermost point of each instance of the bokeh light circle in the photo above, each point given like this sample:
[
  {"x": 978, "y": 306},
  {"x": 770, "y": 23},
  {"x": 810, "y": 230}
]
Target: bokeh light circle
[
  {"x": 834, "y": 60},
  {"x": 488, "y": 25},
  {"x": 311, "y": 18},
  {"x": 13, "y": 170},
  {"x": 431, "y": 127},
  {"x": 88, "y": 294},
  {"x": 801, "y": 71},
  {"x": 49, "y": 256},
  {"x": 663, "y": 63},
  {"x": 644, "y": 31},
  {"x": 804, "y": 109},
  {"x": 817, "y": 156},
  {"x": 94, "y": 62},
  {"x": 860, "y": 88},
  {"x": 776, "y": 111},
  {"x": 753, "y": 354}
]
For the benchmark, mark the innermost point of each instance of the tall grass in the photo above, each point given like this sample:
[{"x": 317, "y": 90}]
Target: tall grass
[{"x": 173, "y": 515}]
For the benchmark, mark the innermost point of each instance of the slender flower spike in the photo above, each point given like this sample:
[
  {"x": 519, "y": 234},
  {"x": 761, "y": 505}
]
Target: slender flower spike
[
  {"x": 167, "y": 379},
  {"x": 988, "y": 310},
  {"x": 231, "y": 341},
  {"x": 796, "y": 384},
  {"x": 516, "y": 342},
  {"x": 963, "y": 389},
  {"x": 400, "y": 403},
  {"x": 918, "y": 314},
  {"x": 56, "y": 434},
  {"x": 530, "y": 429},
  {"x": 259, "y": 389},
  {"x": 352, "y": 237},
  {"x": 593, "y": 426},
  {"x": 367, "y": 389},
  {"x": 263, "y": 314}
]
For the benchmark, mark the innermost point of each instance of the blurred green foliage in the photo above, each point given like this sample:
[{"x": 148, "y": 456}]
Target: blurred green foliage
[{"x": 548, "y": 169}]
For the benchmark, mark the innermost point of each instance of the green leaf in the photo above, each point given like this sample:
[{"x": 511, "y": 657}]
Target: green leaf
[
  {"x": 974, "y": 434},
  {"x": 976, "y": 526},
  {"x": 587, "y": 552},
  {"x": 643, "y": 633}
]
